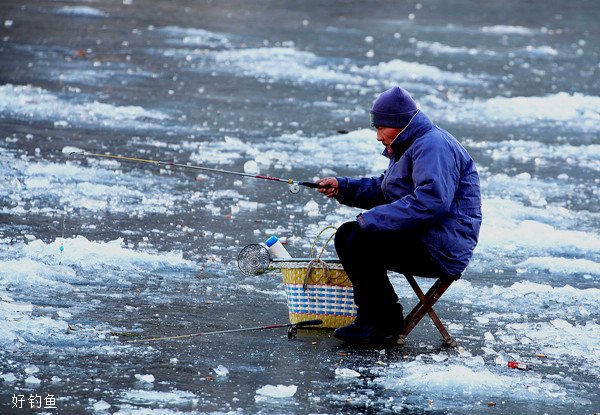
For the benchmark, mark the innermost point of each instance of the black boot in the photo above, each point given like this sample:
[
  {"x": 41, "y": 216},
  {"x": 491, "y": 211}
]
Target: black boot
[
  {"x": 386, "y": 327},
  {"x": 362, "y": 333}
]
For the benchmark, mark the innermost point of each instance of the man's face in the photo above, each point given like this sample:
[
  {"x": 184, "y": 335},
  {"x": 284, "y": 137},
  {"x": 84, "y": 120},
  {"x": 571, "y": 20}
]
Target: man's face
[{"x": 387, "y": 135}]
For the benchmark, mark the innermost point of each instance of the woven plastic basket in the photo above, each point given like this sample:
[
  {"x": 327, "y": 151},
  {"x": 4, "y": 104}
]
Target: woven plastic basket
[{"x": 318, "y": 290}]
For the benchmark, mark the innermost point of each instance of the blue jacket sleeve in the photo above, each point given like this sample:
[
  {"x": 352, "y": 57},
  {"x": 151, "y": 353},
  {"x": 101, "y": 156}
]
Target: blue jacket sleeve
[
  {"x": 435, "y": 177},
  {"x": 362, "y": 193}
]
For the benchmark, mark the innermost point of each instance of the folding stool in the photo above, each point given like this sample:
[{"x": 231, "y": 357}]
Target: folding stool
[{"x": 425, "y": 306}]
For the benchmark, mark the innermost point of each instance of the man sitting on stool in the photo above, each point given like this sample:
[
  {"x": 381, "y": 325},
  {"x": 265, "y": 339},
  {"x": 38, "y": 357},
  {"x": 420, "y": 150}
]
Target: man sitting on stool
[{"x": 423, "y": 215}]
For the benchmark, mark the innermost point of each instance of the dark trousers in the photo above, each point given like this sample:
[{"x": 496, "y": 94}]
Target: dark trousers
[{"x": 367, "y": 256}]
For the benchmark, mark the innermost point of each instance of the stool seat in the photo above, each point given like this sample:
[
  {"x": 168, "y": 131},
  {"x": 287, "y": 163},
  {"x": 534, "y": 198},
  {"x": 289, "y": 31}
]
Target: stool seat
[{"x": 425, "y": 306}]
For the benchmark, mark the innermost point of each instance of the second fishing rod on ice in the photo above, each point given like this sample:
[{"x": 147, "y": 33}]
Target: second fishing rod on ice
[{"x": 293, "y": 184}]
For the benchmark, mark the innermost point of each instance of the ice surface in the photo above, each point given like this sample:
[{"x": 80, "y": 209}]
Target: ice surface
[
  {"x": 101, "y": 405},
  {"x": 576, "y": 110},
  {"x": 558, "y": 338},
  {"x": 8, "y": 377},
  {"x": 66, "y": 186},
  {"x": 526, "y": 99},
  {"x": 36, "y": 271},
  {"x": 520, "y": 295},
  {"x": 509, "y": 30},
  {"x": 346, "y": 373},
  {"x": 564, "y": 266},
  {"x": 438, "y": 48},
  {"x": 70, "y": 149},
  {"x": 279, "y": 391},
  {"x": 558, "y": 107},
  {"x": 29, "y": 369},
  {"x": 30, "y": 102},
  {"x": 32, "y": 380},
  {"x": 288, "y": 64},
  {"x": 311, "y": 208},
  {"x": 251, "y": 167},
  {"x": 280, "y": 63},
  {"x": 587, "y": 156},
  {"x": 510, "y": 227},
  {"x": 291, "y": 149},
  {"x": 221, "y": 370},
  {"x": 144, "y": 396},
  {"x": 82, "y": 252},
  {"x": 459, "y": 378},
  {"x": 400, "y": 71},
  {"x": 19, "y": 326},
  {"x": 144, "y": 378},
  {"x": 84, "y": 11},
  {"x": 195, "y": 37},
  {"x": 541, "y": 50}
]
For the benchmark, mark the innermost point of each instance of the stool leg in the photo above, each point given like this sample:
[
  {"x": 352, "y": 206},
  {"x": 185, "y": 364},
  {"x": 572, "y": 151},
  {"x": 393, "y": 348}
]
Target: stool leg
[
  {"x": 425, "y": 305},
  {"x": 448, "y": 340}
]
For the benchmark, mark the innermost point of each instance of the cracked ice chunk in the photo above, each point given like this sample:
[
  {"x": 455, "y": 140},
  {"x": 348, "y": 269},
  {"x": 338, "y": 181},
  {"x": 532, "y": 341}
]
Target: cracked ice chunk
[{"x": 279, "y": 391}]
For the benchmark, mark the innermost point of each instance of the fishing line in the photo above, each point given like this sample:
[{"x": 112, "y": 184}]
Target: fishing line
[
  {"x": 292, "y": 330},
  {"x": 294, "y": 185}
]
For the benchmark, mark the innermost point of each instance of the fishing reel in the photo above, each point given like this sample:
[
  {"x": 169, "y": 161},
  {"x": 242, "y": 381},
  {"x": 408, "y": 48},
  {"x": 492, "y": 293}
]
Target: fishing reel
[
  {"x": 294, "y": 188},
  {"x": 292, "y": 331}
]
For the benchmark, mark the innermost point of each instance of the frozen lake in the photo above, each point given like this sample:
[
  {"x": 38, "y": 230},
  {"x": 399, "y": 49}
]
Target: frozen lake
[{"x": 284, "y": 88}]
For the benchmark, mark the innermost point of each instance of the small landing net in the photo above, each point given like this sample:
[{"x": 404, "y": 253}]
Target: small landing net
[{"x": 254, "y": 259}]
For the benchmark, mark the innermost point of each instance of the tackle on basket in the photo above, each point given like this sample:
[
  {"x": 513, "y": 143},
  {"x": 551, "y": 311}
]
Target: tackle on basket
[{"x": 315, "y": 287}]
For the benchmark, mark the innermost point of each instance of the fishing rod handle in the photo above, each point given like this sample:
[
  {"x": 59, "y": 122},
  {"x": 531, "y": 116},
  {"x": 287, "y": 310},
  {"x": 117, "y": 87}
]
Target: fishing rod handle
[
  {"x": 308, "y": 323},
  {"x": 307, "y": 259},
  {"x": 312, "y": 185}
]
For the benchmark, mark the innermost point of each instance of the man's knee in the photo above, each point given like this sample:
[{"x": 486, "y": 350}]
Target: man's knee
[
  {"x": 345, "y": 230},
  {"x": 344, "y": 234},
  {"x": 350, "y": 238}
]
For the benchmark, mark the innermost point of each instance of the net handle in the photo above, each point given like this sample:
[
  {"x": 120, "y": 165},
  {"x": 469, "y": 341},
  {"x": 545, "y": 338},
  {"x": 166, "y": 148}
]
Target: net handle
[{"x": 312, "y": 248}]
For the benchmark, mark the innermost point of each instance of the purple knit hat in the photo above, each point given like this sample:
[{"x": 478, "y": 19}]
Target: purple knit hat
[{"x": 393, "y": 108}]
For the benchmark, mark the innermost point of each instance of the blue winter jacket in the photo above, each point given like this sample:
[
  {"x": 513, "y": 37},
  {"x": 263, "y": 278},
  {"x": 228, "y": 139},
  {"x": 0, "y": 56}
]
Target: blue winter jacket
[{"x": 431, "y": 187}]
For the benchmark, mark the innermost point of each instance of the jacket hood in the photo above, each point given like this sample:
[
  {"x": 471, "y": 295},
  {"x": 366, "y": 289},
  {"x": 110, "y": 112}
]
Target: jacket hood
[{"x": 417, "y": 127}]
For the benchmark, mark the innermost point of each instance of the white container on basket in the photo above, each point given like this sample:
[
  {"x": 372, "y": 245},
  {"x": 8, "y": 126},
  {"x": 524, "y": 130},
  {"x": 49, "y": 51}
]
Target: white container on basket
[{"x": 276, "y": 248}]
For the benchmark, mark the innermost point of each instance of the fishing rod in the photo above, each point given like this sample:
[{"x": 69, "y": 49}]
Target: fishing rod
[
  {"x": 294, "y": 185},
  {"x": 292, "y": 331}
]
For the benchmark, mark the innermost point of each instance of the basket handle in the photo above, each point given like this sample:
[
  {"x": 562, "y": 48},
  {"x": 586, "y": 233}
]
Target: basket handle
[
  {"x": 312, "y": 248},
  {"x": 309, "y": 269}
]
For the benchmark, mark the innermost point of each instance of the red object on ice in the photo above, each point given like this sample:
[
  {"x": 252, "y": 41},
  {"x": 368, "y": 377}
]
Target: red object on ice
[{"x": 519, "y": 365}]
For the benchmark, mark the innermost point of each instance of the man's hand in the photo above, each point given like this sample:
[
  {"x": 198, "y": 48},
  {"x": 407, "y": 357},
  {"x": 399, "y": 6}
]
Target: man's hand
[{"x": 329, "y": 186}]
